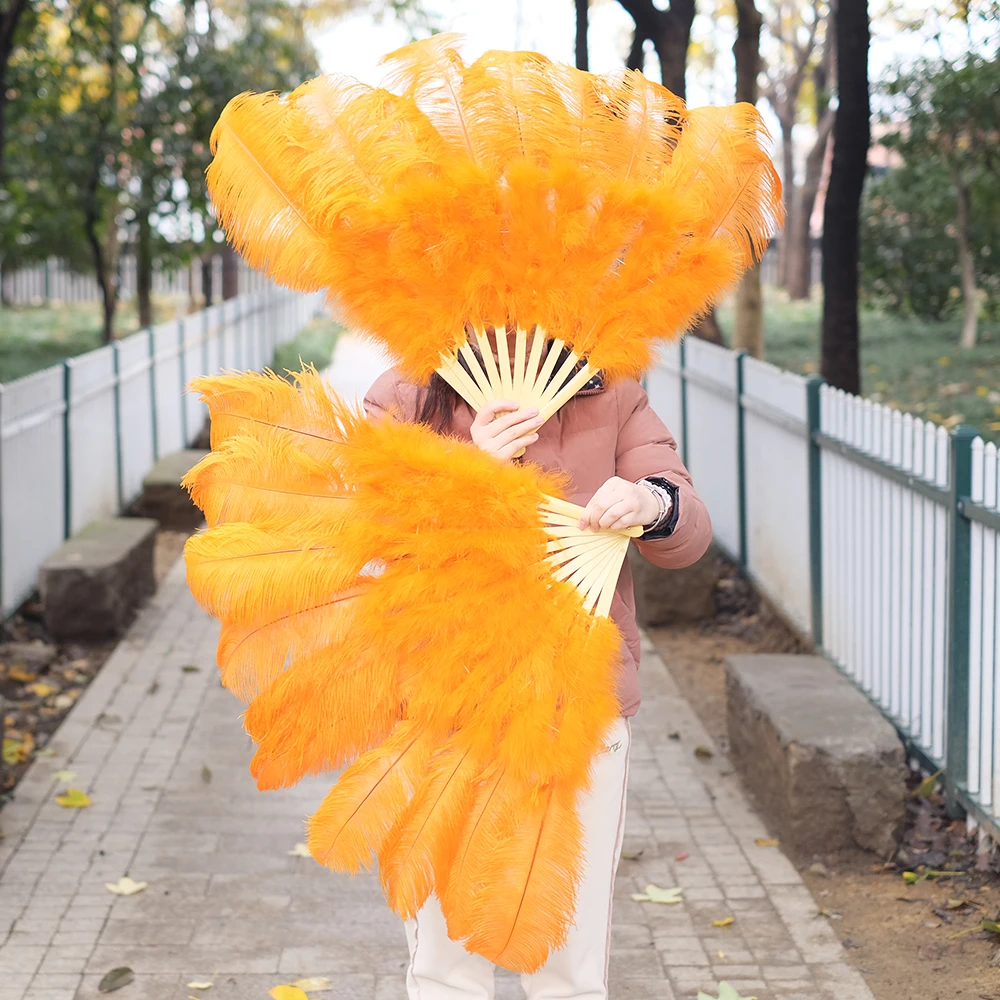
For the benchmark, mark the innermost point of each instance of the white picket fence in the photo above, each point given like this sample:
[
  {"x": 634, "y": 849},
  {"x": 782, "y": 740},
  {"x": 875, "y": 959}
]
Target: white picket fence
[
  {"x": 875, "y": 534},
  {"x": 53, "y": 281},
  {"x": 77, "y": 439}
]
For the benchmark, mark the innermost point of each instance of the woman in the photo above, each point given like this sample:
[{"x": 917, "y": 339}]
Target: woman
[{"x": 625, "y": 470}]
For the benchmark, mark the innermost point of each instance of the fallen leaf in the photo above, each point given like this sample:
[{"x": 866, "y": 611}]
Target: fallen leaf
[
  {"x": 41, "y": 689},
  {"x": 767, "y": 842},
  {"x": 633, "y": 855},
  {"x": 287, "y": 993},
  {"x": 73, "y": 798},
  {"x": 206, "y": 774},
  {"x": 726, "y": 992},
  {"x": 125, "y": 886},
  {"x": 926, "y": 787},
  {"x": 990, "y": 925},
  {"x": 300, "y": 851},
  {"x": 48, "y": 752},
  {"x": 66, "y": 700},
  {"x": 720, "y": 954},
  {"x": 683, "y": 856},
  {"x": 200, "y": 986},
  {"x": 654, "y": 894},
  {"x": 116, "y": 979},
  {"x": 316, "y": 984},
  {"x": 818, "y": 868},
  {"x": 829, "y": 914},
  {"x": 850, "y": 943},
  {"x": 65, "y": 776},
  {"x": 11, "y": 750},
  {"x": 21, "y": 675},
  {"x": 673, "y": 736},
  {"x": 703, "y": 753},
  {"x": 724, "y": 922},
  {"x": 190, "y": 668}
]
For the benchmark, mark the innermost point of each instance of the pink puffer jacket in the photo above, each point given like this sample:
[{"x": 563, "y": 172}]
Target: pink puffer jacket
[{"x": 600, "y": 433}]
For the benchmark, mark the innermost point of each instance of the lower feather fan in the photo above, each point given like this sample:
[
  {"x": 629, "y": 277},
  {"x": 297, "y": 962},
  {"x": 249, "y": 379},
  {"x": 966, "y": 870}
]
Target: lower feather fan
[{"x": 403, "y": 604}]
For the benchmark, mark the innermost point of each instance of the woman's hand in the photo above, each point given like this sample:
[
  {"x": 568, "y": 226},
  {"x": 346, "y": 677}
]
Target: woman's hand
[
  {"x": 619, "y": 504},
  {"x": 504, "y": 430}
]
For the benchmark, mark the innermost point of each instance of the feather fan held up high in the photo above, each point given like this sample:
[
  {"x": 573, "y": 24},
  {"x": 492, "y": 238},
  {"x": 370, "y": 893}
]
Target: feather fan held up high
[
  {"x": 401, "y": 603},
  {"x": 513, "y": 196}
]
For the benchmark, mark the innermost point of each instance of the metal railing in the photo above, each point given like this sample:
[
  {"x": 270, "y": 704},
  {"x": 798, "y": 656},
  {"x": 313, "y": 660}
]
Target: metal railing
[
  {"x": 874, "y": 533},
  {"x": 77, "y": 439}
]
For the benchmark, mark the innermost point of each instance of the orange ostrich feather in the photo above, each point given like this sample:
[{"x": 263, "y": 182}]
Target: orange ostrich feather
[
  {"x": 390, "y": 606},
  {"x": 598, "y": 212}
]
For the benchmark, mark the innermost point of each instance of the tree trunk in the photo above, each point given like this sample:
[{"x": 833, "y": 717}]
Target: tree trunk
[
  {"x": 707, "y": 328},
  {"x": 966, "y": 262},
  {"x": 582, "y": 23},
  {"x": 206, "y": 279},
  {"x": 841, "y": 363},
  {"x": 671, "y": 44},
  {"x": 748, "y": 334},
  {"x": 636, "y": 54},
  {"x": 8, "y": 26},
  {"x": 230, "y": 273},
  {"x": 144, "y": 270},
  {"x": 799, "y": 238},
  {"x": 670, "y": 32},
  {"x": 788, "y": 195}
]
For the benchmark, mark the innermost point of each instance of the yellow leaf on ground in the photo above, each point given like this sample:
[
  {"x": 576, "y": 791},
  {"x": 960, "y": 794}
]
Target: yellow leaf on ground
[
  {"x": 654, "y": 894},
  {"x": 125, "y": 886},
  {"x": 73, "y": 798},
  {"x": 41, "y": 689},
  {"x": 724, "y": 922},
  {"x": 767, "y": 842},
  {"x": 21, "y": 675},
  {"x": 199, "y": 985},
  {"x": 65, "y": 776},
  {"x": 315, "y": 984},
  {"x": 287, "y": 993},
  {"x": 300, "y": 851}
]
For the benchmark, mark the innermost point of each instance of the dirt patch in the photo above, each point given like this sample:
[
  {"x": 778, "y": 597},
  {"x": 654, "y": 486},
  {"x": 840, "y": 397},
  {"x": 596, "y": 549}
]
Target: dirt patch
[
  {"x": 922, "y": 940},
  {"x": 41, "y": 680}
]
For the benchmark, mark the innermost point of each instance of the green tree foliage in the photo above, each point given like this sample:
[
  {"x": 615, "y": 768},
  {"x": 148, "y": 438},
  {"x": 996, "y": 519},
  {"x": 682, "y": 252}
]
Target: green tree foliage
[
  {"x": 110, "y": 106},
  {"x": 909, "y": 262},
  {"x": 932, "y": 223}
]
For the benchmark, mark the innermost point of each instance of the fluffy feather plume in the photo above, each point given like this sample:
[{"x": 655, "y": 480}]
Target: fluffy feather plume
[
  {"x": 387, "y": 605},
  {"x": 512, "y": 190}
]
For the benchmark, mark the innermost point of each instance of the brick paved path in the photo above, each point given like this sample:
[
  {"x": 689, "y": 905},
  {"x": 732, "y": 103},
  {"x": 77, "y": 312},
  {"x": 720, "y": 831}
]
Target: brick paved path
[{"x": 159, "y": 748}]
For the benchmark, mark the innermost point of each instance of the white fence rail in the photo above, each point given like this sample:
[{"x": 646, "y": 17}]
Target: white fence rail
[
  {"x": 55, "y": 281},
  {"x": 77, "y": 439},
  {"x": 874, "y": 533}
]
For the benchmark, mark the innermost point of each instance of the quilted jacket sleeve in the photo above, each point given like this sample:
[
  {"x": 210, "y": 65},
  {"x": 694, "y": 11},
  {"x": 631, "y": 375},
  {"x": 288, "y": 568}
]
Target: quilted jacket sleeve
[{"x": 647, "y": 449}]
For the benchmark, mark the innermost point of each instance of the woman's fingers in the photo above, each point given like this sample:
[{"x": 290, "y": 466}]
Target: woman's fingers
[
  {"x": 503, "y": 429},
  {"x": 620, "y": 514},
  {"x": 517, "y": 446}
]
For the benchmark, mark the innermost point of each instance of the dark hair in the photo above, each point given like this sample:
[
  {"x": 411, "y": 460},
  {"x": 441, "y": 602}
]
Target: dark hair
[{"x": 437, "y": 405}]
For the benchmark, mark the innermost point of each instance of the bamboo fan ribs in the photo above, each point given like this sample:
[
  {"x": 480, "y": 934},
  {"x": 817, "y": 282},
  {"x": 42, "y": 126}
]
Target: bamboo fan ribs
[
  {"x": 402, "y": 604},
  {"x": 575, "y": 219}
]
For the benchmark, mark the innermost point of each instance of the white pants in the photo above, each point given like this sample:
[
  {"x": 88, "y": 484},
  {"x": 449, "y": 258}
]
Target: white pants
[{"x": 441, "y": 969}]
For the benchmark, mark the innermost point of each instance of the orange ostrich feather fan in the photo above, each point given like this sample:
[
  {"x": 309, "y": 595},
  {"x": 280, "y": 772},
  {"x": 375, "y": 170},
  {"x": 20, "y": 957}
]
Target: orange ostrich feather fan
[
  {"x": 368, "y": 576},
  {"x": 584, "y": 216}
]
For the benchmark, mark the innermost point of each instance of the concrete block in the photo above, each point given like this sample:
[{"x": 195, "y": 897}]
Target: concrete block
[
  {"x": 669, "y": 596},
  {"x": 93, "y": 584},
  {"x": 163, "y": 498},
  {"x": 827, "y": 768}
]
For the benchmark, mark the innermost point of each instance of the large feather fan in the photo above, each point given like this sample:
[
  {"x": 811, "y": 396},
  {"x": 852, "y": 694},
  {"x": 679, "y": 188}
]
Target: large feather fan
[
  {"x": 402, "y": 604},
  {"x": 583, "y": 216}
]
